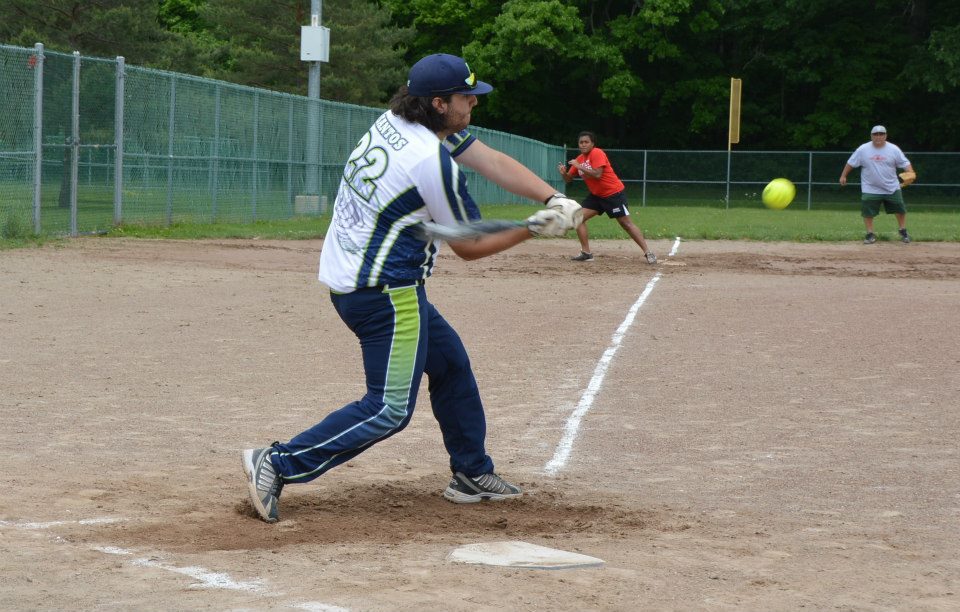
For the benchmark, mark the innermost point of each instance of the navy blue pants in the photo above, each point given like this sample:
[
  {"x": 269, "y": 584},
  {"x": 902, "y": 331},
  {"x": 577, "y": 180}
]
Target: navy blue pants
[{"x": 402, "y": 336}]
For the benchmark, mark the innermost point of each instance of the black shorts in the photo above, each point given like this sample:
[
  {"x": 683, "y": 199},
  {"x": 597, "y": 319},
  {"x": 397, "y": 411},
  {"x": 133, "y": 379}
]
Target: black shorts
[{"x": 614, "y": 205}]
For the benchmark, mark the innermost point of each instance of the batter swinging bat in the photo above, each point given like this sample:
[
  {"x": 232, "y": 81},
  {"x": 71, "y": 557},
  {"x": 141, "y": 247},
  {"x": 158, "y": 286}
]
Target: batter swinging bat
[{"x": 464, "y": 231}]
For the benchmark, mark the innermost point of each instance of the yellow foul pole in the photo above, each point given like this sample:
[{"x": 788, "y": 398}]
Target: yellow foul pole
[{"x": 733, "y": 132}]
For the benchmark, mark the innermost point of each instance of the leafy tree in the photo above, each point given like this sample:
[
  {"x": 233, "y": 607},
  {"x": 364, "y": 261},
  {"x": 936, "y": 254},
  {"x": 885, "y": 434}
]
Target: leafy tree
[
  {"x": 194, "y": 47},
  {"x": 528, "y": 51},
  {"x": 260, "y": 41},
  {"x": 932, "y": 72},
  {"x": 366, "y": 53},
  {"x": 937, "y": 68},
  {"x": 678, "y": 78},
  {"x": 656, "y": 73},
  {"x": 262, "y": 47},
  {"x": 651, "y": 73},
  {"x": 183, "y": 15},
  {"x": 564, "y": 66},
  {"x": 442, "y": 26},
  {"x": 818, "y": 74},
  {"x": 814, "y": 72},
  {"x": 106, "y": 28}
]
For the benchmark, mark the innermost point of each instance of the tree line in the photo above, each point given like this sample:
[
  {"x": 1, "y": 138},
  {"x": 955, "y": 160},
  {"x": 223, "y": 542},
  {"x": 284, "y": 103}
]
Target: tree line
[{"x": 817, "y": 74}]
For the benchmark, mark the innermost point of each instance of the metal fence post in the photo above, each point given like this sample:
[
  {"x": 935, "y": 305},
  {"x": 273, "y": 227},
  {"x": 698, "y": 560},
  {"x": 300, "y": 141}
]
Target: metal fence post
[
  {"x": 313, "y": 111},
  {"x": 37, "y": 134},
  {"x": 809, "y": 179},
  {"x": 321, "y": 118},
  {"x": 75, "y": 144},
  {"x": 643, "y": 202},
  {"x": 256, "y": 166},
  {"x": 290, "y": 200},
  {"x": 727, "y": 198},
  {"x": 170, "y": 119},
  {"x": 216, "y": 152},
  {"x": 118, "y": 144}
]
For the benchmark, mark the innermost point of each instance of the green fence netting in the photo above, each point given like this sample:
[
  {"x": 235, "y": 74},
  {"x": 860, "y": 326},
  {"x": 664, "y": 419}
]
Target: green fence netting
[
  {"x": 88, "y": 143},
  {"x": 122, "y": 144}
]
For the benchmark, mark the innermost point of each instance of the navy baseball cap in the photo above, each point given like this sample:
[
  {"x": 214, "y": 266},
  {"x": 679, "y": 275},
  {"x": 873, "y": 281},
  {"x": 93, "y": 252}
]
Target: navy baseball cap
[{"x": 441, "y": 74}]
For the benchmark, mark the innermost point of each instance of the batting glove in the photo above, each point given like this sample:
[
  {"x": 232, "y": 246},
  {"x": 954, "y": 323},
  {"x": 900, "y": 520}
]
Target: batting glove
[
  {"x": 547, "y": 222},
  {"x": 568, "y": 209}
]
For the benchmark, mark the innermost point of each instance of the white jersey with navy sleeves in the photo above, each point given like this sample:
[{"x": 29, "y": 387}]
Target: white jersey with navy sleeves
[
  {"x": 457, "y": 143},
  {"x": 399, "y": 174}
]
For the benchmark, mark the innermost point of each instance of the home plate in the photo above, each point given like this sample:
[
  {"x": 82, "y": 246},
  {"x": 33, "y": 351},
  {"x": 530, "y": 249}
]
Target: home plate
[{"x": 521, "y": 554}]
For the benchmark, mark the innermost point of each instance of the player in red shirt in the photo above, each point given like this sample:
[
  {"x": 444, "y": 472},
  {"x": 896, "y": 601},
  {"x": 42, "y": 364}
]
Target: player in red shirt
[{"x": 606, "y": 195}]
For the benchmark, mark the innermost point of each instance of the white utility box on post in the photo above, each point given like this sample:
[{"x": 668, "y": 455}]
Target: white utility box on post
[{"x": 314, "y": 44}]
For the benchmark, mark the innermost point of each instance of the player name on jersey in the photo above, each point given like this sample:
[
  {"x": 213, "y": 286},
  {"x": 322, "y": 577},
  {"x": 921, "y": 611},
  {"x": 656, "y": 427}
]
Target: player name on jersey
[{"x": 390, "y": 133}]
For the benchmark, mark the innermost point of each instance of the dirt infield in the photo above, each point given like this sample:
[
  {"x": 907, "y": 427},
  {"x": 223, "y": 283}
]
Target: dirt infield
[{"x": 778, "y": 430}]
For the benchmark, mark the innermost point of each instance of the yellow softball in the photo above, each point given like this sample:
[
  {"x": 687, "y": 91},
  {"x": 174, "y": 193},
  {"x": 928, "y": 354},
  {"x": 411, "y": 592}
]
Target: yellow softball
[{"x": 778, "y": 193}]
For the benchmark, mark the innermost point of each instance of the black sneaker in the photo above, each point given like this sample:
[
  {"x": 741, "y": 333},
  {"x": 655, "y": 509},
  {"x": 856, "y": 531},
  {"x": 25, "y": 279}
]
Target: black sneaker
[
  {"x": 466, "y": 490},
  {"x": 263, "y": 482},
  {"x": 583, "y": 256},
  {"x": 651, "y": 258},
  {"x": 870, "y": 238},
  {"x": 904, "y": 236}
]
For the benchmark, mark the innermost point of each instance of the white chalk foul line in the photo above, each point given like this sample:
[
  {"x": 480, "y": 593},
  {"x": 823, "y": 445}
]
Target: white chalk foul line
[
  {"x": 676, "y": 247},
  {"x": 205, "y": 578},
  {"x": 565, "y": 447},
  {"x": 215, "y": 580},
  {"x": 50, "y": 524},
  {"x": 312, "y": 606}
]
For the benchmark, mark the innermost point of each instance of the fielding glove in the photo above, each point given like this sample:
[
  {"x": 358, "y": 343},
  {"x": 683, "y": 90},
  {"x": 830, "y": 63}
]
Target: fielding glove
[{"x": 907, "y": 178}]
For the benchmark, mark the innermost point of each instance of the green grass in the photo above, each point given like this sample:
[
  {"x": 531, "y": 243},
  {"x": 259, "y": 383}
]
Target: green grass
[
  {"x": 657, "y": 222},
  {"x": 298, "y": 228},
  {"x": 774, "y": 225},
  {"x": 761, "y": 224},
  {"x": 7, "y": 244}
]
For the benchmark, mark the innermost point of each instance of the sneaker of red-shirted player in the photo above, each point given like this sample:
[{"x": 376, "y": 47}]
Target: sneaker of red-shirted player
[{"x": 583, "y": 256}]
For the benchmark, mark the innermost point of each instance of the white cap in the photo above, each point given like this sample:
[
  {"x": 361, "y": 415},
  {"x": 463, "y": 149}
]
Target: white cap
[{"x": 878, "y": 129}]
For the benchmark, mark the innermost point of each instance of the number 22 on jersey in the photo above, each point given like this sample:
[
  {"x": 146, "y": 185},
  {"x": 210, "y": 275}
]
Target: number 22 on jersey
[{"x": 365, "y": 165}]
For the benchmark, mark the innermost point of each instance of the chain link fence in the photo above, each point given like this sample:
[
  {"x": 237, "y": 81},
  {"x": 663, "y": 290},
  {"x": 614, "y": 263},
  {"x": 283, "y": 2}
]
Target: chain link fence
[
  {"x": 19, "y": 164},
  {"x": 89, "y": 143},
  {"x": 736, "y": 179}
]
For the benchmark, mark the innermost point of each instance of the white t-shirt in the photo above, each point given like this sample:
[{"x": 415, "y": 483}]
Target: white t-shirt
[
  {"x": 399, "y": 175},
  {"x": 879, "y": 167}
]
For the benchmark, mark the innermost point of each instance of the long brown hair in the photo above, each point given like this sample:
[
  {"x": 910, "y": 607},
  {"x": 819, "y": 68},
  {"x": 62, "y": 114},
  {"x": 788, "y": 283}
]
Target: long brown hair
[{"x": 418, "y": 109}]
